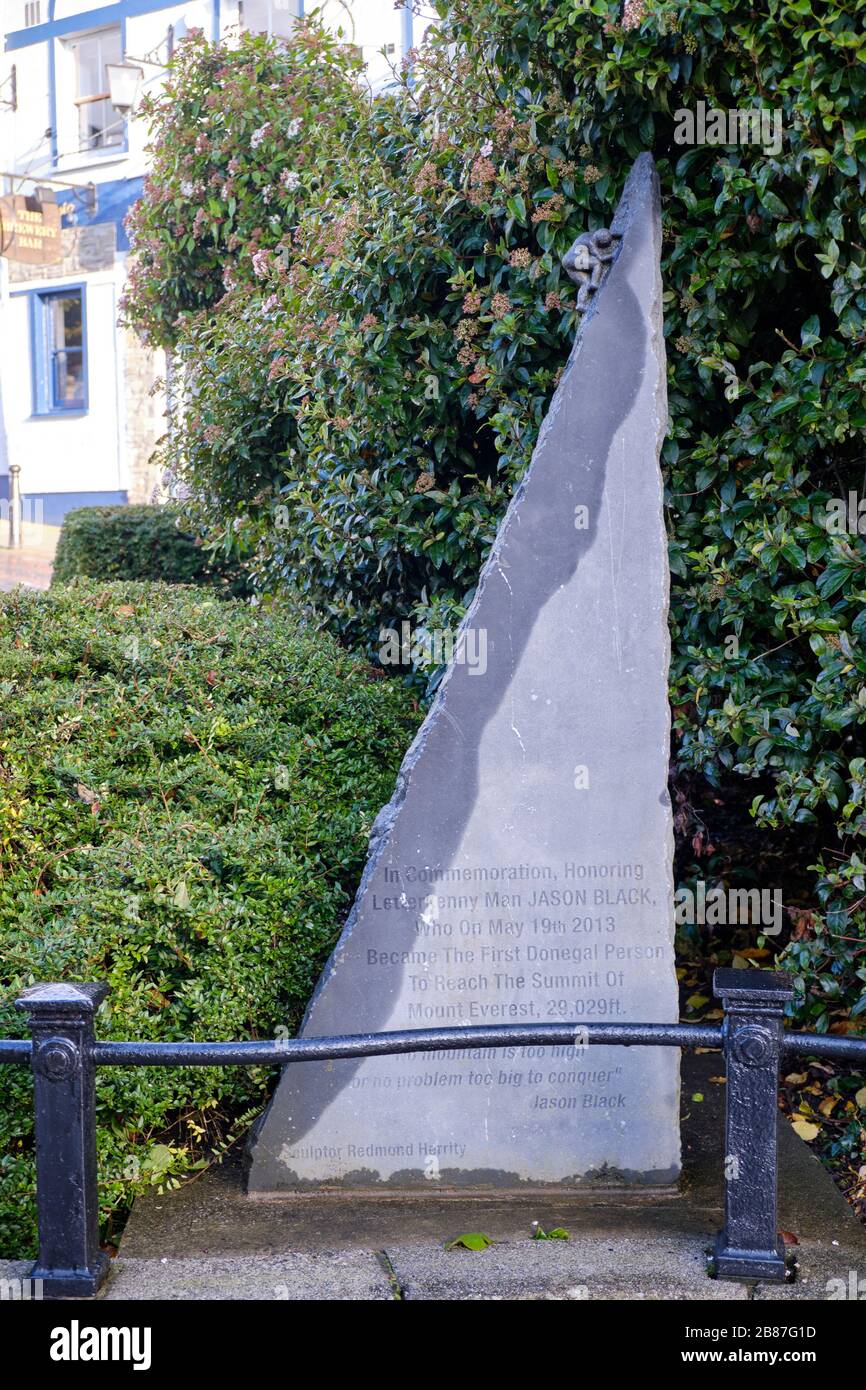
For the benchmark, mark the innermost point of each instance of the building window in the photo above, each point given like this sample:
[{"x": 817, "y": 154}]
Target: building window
[
  {"x": 59, "y": 351},
  {"x": 99, "y": 125},
  {"x": 32, "y": 13},
  {"x": 276, "y": 17}
]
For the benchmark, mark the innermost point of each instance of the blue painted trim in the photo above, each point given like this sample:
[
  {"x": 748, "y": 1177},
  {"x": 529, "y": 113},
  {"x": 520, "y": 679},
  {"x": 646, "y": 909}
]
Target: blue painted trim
[
  {"x": 52, "y": 87},
  {"x": 56, "y": 505},
  {"x": 215, "y": 22},
  {"x": 76, "y": 413},
  {"x": 406, "y": 40},
  {"x": 87, "y": 19},
  {"x": 37, "y": 346},
  {"x": 406, "y": 33},
  {"x": 114, "y": 199},
  {"x": 125, "y": 140},
  {"x": 112, "y": 151},
  {"x": 42, "y": 385}
]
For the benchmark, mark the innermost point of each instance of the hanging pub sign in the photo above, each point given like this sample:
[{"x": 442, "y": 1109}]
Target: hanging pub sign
[{"x": 29, "y": 229}]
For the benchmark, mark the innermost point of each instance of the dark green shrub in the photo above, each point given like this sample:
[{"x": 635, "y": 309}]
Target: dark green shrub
[
  {"x": 186, "y": 790},
  {"x": 139, "y": 543}
]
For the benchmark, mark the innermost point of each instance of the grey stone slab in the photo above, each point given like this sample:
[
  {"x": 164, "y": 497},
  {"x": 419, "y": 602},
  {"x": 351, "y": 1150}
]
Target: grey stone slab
[
  {"x": 522, "y": 871},
  {"x": 343, "y": 1275}
]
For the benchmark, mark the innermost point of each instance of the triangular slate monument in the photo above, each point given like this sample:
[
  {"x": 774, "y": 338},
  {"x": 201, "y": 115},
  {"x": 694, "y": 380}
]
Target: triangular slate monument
[{"x": 522, "y": 871}]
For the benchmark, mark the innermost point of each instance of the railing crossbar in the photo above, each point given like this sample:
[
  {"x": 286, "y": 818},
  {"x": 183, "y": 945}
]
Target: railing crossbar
[
  {"x": 251, "y": 1054},
  {"x": 827, "y": 1047}
]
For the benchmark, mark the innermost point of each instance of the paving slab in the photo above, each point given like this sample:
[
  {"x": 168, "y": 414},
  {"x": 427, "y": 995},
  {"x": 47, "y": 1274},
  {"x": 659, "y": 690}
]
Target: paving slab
[
  {"x": 30, "y": 563},
  {"x": 593, "y": 1266},
  {"x": 341, "y": 1275},
  {"x": 824, "y": 1274}
]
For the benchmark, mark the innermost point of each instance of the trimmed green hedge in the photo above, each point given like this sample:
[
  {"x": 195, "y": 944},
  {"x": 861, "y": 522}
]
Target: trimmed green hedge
[
  {"x": 138, "y": 543},
  {"x": 187, "y": 786}
]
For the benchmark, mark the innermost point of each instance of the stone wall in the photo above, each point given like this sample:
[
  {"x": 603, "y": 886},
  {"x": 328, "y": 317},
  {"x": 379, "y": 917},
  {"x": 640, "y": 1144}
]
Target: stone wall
[
  {"x": 145, "y": 416},
  {"x": 84, "y": 249}
]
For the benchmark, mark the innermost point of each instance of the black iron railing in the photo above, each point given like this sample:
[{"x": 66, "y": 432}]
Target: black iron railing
[{"x": 64, "y": 1055}]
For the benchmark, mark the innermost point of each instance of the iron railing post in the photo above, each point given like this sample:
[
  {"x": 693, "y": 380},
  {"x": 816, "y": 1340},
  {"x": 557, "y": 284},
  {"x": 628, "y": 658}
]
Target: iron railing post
[
  {"x": 750, "y": 1246},
  {"x": 70, "y": 1263}
]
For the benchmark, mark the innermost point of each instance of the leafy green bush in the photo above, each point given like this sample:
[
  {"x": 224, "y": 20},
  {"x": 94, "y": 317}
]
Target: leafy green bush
[
  {"x": 186, "y": 790},
  {"x": 359, "y": 417},
  {"x": 138, "y": 543}
]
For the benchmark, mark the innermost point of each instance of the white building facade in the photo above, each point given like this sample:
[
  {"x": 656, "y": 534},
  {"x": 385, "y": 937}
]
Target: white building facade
[{"x": 77, "y": 411}]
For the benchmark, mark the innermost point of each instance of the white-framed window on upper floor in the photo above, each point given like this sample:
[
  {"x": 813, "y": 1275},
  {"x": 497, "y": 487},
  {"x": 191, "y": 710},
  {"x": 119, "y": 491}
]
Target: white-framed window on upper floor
[
  {"x": 97, "y": 124},
  {"x": 276, "y": 17}
]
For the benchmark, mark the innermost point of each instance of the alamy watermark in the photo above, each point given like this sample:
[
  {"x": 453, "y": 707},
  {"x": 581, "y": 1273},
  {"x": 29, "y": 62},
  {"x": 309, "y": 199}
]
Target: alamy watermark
[
  {"x": 729, "y": 907},
  {"x": 20, "y": 1290},
  {"x": 843, "y": 516},
  {"x": 77, "y": 1343},
  {"x": 852, "y": 1288},
  {"x": 714, "y": 126},
  {"x": 434, "y": 647}
]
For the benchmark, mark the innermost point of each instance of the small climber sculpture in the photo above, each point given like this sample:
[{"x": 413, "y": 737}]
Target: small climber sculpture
[{"x": 587, "y": 260}]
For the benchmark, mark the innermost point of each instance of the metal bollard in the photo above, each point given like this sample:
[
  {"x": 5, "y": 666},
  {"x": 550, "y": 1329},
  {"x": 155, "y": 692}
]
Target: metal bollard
[
  {"x": 70, "y": 1263},
  {"x": 750, "y": 1246},
  {"x": 15, "y": 509}
]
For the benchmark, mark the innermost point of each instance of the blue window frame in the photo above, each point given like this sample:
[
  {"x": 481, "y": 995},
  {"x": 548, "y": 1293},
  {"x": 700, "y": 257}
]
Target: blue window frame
[{"x": 59, "y": 337}]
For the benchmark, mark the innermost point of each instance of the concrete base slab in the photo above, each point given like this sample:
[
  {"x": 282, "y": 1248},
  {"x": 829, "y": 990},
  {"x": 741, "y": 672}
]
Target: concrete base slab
[
  {"x": 329, "y": 1275},
  {"x": 15, "y": 1281},
  {"x": 593, "y": 1266}
]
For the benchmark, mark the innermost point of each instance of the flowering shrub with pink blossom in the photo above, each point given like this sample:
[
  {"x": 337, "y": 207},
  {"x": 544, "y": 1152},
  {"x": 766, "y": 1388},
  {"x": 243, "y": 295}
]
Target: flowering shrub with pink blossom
[{"x": 242, "y": 137}]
